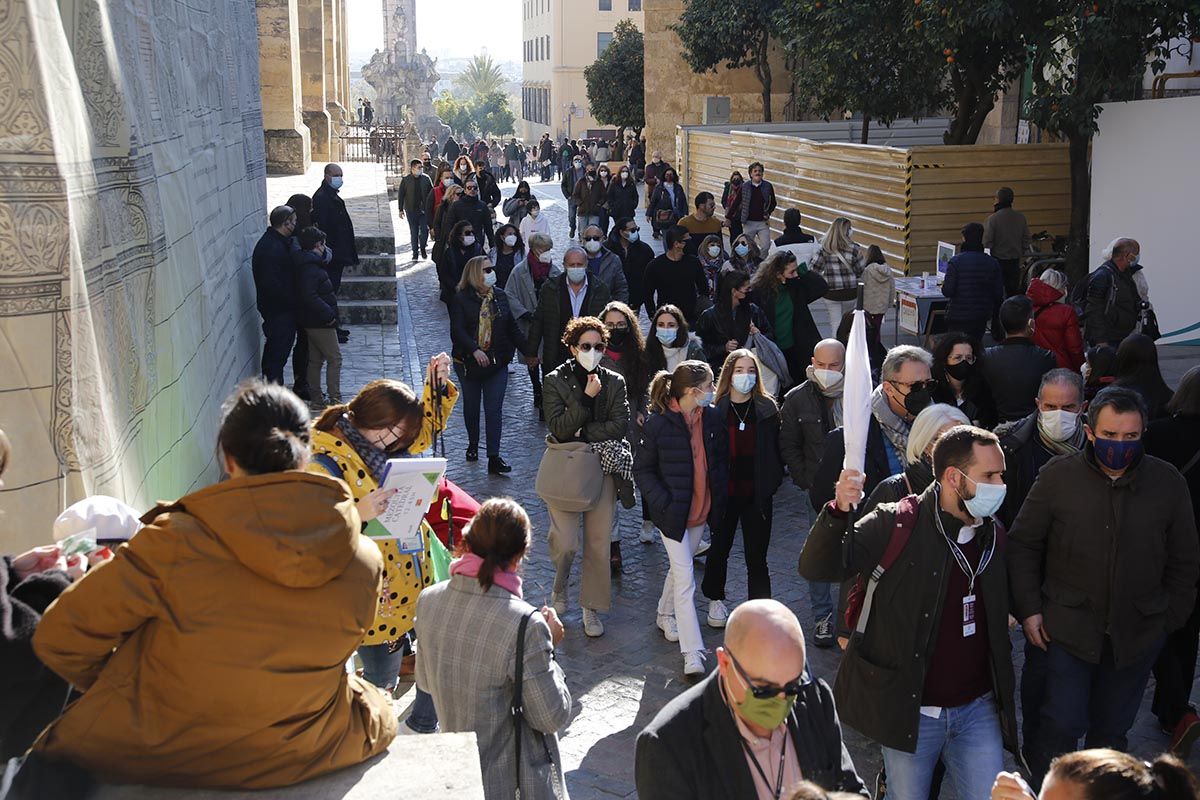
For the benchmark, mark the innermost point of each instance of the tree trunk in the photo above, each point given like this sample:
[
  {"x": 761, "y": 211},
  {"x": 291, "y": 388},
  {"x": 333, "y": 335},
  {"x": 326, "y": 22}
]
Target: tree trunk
[
  {"x": 1081, "y": 200},
  {"x": 866, "y": 128},
  {"x": 763, "y": 68}
]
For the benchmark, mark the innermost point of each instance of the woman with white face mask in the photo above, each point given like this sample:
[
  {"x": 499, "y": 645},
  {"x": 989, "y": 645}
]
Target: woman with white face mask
[
  {"x": 752, "y": 422},
  {"x": 585, "y": 402},
  {"x": 486, "y": 337},
  {"x": 508, "y": 252}
]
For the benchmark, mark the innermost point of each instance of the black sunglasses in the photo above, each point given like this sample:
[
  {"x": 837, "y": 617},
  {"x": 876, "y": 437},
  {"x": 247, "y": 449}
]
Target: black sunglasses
[
  {"x": 588, "y": 347},
  {"x": 591, "y": 238},
  {"x": 915, "y": 386},
  {"x": 768, "y": 690}
]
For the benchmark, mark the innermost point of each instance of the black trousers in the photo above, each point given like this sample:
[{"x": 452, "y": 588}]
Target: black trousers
[
  {"x": 1175, "y": 670},
  {"x": 756, "y": 536},
  {"x": 280, "y": 333},
  {"x": 300, "y": 363},
  {"x": 1010, "y": 268}
]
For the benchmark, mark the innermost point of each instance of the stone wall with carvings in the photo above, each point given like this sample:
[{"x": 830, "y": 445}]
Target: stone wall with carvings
[{"x": 131, "y": 194}]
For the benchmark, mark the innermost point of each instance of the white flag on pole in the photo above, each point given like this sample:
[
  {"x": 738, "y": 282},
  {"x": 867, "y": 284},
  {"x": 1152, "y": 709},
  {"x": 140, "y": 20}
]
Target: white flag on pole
[{"x": 856, "y": 395}]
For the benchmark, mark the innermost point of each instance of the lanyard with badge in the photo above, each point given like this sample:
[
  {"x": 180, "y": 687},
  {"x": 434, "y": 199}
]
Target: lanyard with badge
[
  {"x": 778, "y": 790},
  {"x": 968, "y": 601}
]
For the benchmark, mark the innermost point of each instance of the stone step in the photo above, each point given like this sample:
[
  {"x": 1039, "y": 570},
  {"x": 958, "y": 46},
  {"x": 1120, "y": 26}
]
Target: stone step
[
  {"x": 367, "y": 312},
  {"x": 368, "y": 287},
  {"x": 374, "y": 245},
  {"x": 378, "y": 266}
]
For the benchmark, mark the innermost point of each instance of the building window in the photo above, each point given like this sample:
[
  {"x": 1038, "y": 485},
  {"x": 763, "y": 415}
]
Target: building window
[
  {"x": 635, "y": 5},
  {"x": 606, "y": 5},
  {"x": 603, "y": 40}
]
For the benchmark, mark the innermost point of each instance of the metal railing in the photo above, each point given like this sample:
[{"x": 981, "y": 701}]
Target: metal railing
[{"x": 383, "y": 144}]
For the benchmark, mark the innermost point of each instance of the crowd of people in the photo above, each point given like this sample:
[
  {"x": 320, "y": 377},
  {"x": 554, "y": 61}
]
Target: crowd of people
[{"x": 1048, "y": 481}]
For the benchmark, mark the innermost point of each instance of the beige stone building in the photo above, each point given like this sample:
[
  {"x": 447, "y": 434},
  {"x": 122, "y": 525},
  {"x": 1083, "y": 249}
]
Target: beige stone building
[{"x": 561, "y": 38}]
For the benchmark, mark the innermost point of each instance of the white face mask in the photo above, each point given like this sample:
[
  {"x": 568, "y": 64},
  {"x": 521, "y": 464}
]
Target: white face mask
[
  {"x": 588, "y": 360},
  {"x": 510, "y": 241},
  {"x": 828, "y": 378},
  {"x": 591, "y": 246},
  {"x": 533, "y": 212},
  {"x": 468, "y": 241},
  {"x": 1058, "y": 425},
  {"x": 447, "y": 182},
  {"x": 744, "y": 382},
  {"x": 713, "y": 251}
]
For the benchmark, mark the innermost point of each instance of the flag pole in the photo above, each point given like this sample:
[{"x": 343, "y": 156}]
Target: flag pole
[{"x": 848, "y": 538}]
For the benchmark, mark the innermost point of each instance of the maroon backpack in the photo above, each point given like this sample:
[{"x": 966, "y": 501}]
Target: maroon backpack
[{"x": 858, "y": 600}]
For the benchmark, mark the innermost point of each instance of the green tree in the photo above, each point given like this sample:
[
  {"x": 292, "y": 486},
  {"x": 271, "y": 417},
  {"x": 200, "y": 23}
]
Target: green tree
[
  {"x": 885, "y": 76},
  {"x": 481, "y": 77},
  {"x": 454, "y": 113},
  {"x": 615, "y": 80},
  {"x": 1090, "y": 53},
  {"x": 733, "y": 33},
  {"x": 491, "y": 114}
]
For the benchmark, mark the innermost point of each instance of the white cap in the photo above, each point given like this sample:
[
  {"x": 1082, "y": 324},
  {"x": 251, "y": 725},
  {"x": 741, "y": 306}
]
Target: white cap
[{"x": 101, "y": 516}]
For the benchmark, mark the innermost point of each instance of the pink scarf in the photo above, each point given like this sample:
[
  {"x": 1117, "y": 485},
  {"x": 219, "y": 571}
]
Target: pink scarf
[{"x": 469, "y": 566}]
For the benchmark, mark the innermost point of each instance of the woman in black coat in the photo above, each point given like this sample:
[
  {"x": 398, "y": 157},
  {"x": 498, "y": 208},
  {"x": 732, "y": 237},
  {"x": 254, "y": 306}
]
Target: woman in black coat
[
  {"x": 726, "y": 326},
  {"x": 780, "y": 288},
  {"x": 751, "y": 426},
  {"x": 959, "y": 382},
  {"x": 462, "y": 244},
  {"x": 683, "y": 498},
  {"x": 485, "y": 337},
  {"x": 668, "y": 202},
  {"x": 625, "y": 241},
  {"x": 1137, "y": 369},
  {"x": 623, "y": 196}
]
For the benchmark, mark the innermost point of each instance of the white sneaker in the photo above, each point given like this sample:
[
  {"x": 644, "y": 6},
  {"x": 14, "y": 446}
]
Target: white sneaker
[
  {"x": 649, "y": 533},
  {"x": 717, "y": 614},
  {"x": 592, "y": 626},
  {"x": 703, "y": 548},
  {"x": 666, "y": 623},
  {"x": 559, "y": 604},
  {"x": 693, "y": 662}
]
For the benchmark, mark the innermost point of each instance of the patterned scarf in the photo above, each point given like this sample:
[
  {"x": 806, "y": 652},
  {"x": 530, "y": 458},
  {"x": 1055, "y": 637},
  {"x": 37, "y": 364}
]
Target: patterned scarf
[
  {"x": 1072, "y": 445},
  {"x": 893, "y": 427},
  {"x": 375, "y": 459},
  {"x": 486, "y": 313}
]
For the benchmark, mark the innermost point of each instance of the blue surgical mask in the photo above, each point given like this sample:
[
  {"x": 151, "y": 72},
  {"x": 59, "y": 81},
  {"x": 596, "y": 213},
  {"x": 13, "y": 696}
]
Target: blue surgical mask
[
  {"x": 634, "y": 236},
  {"x": 489, "y": 279},
  {"x": 741, "y": 250},
  {"x": 336, "y": 181},
  {"x": 1133, "y": 262},
  {"x": 707, "y": 399},
  {"x": 666, "y": 335},
  {"x": 987, "y": 500},
  {"x": 744, "y": 382},
  {"x": 576, "y": 274},
  {"x": 1116, "y": 454}
]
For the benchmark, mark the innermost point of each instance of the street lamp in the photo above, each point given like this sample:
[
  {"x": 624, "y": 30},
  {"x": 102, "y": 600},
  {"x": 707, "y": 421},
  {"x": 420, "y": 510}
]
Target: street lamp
[{"x": 571, "y": 110}]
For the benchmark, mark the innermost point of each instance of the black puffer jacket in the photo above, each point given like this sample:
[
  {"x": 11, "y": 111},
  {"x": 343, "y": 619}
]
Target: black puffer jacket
[
  {"x": 622, "y": 199},
  {"x": 315, "y": 301},
  {"x": 768, "y": 465},
  {"x": 1110, "y": 313},
  {"x": 476, "y": 212},
  {"x": 1013, "y": 370},
  {"x": 663, "y": 469},
  {"x": 464, "y": 328}
]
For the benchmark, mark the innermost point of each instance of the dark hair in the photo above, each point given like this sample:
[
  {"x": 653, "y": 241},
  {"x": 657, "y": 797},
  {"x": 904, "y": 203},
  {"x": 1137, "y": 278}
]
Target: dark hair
[
  {"x": 754, "y": 164},
  {"x": 703, "y": 198},
  {"x": 1015, "y": 313},
  {"x": 972, "y": 234},
  {"x": 382, "y": 403},
  {"x": 674, "y": 235},
  {"x": 1120, "y": 400},
  {"x": 498, "y": 533},
  {"x": 1187, "y": 397},
  {"x": 519, "y": 246},
  {"x": 673, "y": 385},
  {"x": 791, "y": 218},
  {"x": 581, "y": 325},
  {"x": 264, "y": 427},
  {"x": 875, "y": 255},
  {"x": 302, "y": 205},
  {"x": 280, "y": 214},
  {"x": 1137, "y": 366},
  {"x": 945, "y": 346},
  {"x": 620, "y": 224},
  {"x": 1004, "y": 194},
  {"x": 956, "y": 448},
  {"x": 524, "y": 184},
  {"x": 680, "y": 320},
  {"x": 673, "y": 172},
  {"x": 730, "y": 279},
  {"x": 1102, "y": 359},
  {"x": 456, "y": 233},
  {"x": 310, "y": 237},
  {"x": 416, "y": 162},
  {"x": 1112, "y": 775},
  {"x": 765, "y": 282},
  {"x": 1061, "y": 376},
  {"x": 635, "y": 350}
]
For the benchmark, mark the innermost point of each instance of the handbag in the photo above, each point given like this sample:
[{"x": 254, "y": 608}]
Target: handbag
[
  {"x": 569, "y": 477},
  {"x": 1148, "y": 323}
]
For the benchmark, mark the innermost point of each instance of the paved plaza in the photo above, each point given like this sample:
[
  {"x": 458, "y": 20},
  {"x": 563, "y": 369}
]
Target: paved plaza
[{"x": 622, "y": 679}]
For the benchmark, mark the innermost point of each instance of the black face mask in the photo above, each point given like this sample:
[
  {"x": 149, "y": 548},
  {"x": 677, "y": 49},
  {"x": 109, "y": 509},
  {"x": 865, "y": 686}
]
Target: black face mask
[
  {"x": 617, "y": 337},
  {"x": 960, "y": 371},
  {"x": 916, "y": 401},
  {"x": 736, "y": 181}
]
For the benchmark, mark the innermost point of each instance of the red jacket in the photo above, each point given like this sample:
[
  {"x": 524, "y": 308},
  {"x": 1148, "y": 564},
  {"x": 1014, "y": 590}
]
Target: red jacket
[{"x": 1055, "y": 325}]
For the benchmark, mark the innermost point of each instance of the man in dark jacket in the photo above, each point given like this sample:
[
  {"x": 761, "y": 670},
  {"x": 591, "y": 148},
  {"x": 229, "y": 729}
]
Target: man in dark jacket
[
  {"x": 1014, "y": 368},
  {"x": 451, "y": 149},
  {"x": 489, "y": 190},
  {"x": 330, "y": 215},
  {"x": 674, "y": 277},
  {"x": 1103, "y": 562},
  {"x": 563, "y": 298},
  {"x": 625, "y": 241},
  {"x": 470, "y": 208},
  {"x": 316, "y": 312},
  {"x": 702, "y": 744},
  {"x": 1006, "y": 235},
  {"x": 974, "y": 284},
  {"x": 272, "y": 267},
  {"x": 573, "y": 172},
  {"x": 928, "y": 673},
  {"x": 758, "y": 202},
  {"x": 1112, "y": 302},
  {"x": 415, "y": 188}
]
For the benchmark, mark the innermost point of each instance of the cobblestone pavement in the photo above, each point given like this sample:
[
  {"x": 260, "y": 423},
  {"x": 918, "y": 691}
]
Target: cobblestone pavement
[{"x": 622, "y": 679}]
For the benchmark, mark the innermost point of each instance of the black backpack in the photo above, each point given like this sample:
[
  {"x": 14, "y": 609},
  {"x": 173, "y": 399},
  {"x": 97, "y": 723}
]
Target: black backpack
[{"x": 1079, "y": 294}]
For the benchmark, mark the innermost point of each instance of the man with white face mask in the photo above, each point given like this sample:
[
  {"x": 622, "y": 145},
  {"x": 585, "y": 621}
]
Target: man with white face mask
[
  {"x": 810, "y": 411},
  {"x": 603, "y": 265}
]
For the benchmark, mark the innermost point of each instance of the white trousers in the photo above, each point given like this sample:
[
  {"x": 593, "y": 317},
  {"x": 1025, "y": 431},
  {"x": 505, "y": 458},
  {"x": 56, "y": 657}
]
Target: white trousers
[{"x": 679, "y": 589}]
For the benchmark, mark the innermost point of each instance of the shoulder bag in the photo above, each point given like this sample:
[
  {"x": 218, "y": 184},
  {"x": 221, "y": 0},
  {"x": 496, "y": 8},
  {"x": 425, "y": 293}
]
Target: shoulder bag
[
  {"x": 569, "y": 477},
  {"x": 518, "y": 708}
]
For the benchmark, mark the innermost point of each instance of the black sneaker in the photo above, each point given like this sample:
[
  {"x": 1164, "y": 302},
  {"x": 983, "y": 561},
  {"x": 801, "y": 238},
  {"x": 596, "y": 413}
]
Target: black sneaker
[
  {"x": 823, "y": 635},
  {"x": 343, "y": 335}
]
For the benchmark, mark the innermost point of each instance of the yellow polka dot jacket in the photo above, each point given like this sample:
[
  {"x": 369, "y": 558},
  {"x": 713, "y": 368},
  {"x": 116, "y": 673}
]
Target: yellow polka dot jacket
[{"x": 404, "y": 575}]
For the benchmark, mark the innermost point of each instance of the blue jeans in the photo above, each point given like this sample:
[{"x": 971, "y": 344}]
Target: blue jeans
[
  {"x": 820, "y": 597},
  {"x": 491, "y": 392},
  {"x": 1096, "y": 702},
  {"x": 966, "y": 738},
  {"x": 423, "y": 718},
  {"x": 380, "y": 666},
  {"x": 572, "y": 212},
  {"x": 418, "y": 230}
]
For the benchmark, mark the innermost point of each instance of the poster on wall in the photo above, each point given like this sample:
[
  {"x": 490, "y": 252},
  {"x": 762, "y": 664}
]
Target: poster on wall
[
  {"x": 945, "y": 252},
  {"x": 909, "y": 314}
]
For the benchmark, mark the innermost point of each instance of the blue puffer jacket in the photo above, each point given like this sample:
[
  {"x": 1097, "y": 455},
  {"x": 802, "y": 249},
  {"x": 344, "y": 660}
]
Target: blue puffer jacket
[
  {"x": 974, "y": 285},
  {"x": 663, "y": 469}
]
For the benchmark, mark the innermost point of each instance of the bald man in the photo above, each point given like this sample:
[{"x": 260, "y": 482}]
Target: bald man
[{"x": 754, "y": 727}]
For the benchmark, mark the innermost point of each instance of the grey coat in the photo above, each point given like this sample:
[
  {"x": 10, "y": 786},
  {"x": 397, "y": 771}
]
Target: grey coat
[
  {"x": 468, "y": 651},
  {"x": 610, "y": 272},
  {"x": 522, "y": 296}
]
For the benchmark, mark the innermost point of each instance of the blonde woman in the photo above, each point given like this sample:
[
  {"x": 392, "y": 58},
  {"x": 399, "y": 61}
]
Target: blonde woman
[
  {"x": 841, "y": 263},
  {"x": 485, "y": 337},
  {"x": 751, "y": 423}
]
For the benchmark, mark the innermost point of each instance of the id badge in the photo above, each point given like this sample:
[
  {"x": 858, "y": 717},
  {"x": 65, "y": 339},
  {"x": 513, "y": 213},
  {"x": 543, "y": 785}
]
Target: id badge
[{"x": 968, "y": 615}]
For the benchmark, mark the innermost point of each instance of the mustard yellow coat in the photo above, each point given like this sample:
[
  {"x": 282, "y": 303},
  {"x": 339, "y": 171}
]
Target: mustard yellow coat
[{"x": 402, "y": 582}]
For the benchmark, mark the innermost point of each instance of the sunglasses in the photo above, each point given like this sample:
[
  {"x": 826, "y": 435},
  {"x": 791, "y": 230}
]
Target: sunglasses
[
  {"x": 472, "y": 188},
  {"x": 488, "y": 270},
  {"x": 634, "y": 229},
  {"x": 915, "y": 386},
  {"x": 591, "y": 238},
  {"x": 768, "y": 690},
  {"x": 587, "y": 347}
]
